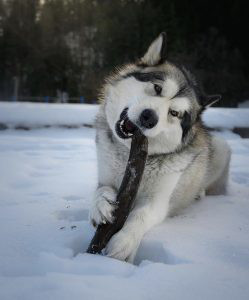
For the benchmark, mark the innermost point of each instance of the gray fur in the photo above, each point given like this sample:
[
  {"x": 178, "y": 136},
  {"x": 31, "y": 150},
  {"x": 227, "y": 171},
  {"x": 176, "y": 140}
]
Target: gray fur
[{"x": 178, "y": 170}]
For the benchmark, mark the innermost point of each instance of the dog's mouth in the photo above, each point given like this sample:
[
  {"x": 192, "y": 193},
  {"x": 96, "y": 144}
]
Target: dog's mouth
[{"x": 124, "y": 127}]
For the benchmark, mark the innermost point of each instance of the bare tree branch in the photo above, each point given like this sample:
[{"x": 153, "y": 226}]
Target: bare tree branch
[{"x": 126, "y": 194}]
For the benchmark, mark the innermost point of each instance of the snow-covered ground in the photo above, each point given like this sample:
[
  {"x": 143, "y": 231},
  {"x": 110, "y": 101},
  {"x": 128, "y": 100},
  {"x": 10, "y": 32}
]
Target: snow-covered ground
[
  {"x": 244, "y": 104},
  {"x": 47, "y": 178},
  {"x": 41, "y": 114},
  {"x": 36, "y": 115}
]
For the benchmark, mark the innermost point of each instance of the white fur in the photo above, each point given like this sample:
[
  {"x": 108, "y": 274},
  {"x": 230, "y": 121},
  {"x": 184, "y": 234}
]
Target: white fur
[
  {"x": 152, "y": 56},
  {"x": 180, "y": 104},
  {"x": 138, "y": 96},
  {"x": 179, "y": 180},
  {"x": 147, "y": 213},
  {"x": 171, "y": 181},
  {"x": 218, "y": 170},
  {"x": 103, "y": 205},
  {"x": 170, "y": 88}
]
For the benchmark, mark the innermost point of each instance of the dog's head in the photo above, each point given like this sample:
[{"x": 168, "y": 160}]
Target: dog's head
[{"x": 160, "y": 98}]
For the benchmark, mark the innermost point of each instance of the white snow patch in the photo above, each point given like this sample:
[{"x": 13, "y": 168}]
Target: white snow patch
[
  {"x": 226, "y": 117},
  {"x": 47, "y": 180},
  {"x": 244, "y": 104},
  {"x": 41, "y": 114}
]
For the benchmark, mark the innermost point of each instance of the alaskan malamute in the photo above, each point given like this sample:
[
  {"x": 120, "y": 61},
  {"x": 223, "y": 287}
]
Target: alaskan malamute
[{"x": 184, "y": 162}]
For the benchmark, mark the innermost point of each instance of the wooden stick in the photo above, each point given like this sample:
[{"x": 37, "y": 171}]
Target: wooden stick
[{"x": 126, "y": 194}]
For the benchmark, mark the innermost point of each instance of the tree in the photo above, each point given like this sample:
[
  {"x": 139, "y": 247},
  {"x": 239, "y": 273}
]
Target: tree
[{"x": 71, "y": 45}]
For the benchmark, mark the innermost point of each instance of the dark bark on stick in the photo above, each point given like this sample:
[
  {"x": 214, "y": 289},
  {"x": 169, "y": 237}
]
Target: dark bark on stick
[{"x": 126, "y": 194}]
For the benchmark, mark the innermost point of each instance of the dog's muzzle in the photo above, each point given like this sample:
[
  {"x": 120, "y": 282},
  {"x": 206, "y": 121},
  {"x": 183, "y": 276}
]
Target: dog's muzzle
[{"x": 124, "y": 127}]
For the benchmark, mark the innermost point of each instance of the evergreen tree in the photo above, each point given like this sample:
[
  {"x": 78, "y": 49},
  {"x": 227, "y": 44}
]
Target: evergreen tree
[{"x": 71, "y": 45}]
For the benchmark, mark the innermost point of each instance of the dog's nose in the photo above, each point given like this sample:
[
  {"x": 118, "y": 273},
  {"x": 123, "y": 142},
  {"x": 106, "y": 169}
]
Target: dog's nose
[{"x": 148, "y": 118}]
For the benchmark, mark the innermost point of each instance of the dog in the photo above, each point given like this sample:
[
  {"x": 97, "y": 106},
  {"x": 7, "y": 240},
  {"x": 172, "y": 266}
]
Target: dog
[{"x": 184, "y": 161}]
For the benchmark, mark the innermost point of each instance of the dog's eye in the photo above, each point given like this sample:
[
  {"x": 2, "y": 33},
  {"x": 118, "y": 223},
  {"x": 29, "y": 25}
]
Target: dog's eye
[
  {"x": 174, "y": 113},
  {"x": 158, "y": 89}
]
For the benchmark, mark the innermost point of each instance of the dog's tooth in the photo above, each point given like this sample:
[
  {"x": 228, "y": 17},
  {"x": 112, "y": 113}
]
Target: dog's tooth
[{"x": 121, "y": 129}]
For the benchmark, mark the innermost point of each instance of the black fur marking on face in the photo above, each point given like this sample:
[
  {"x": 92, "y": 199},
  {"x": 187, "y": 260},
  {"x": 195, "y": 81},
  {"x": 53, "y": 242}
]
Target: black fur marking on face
[
  {"x": 185, "y": 124},
  {"x": 182, "y": 91},
  {"x": 146, "y": 77}
]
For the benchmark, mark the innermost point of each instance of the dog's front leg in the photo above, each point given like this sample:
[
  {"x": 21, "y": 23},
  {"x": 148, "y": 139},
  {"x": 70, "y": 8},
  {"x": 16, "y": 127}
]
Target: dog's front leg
[
  {"x": 124, "y": 244},
  {"x": 103, "y": 205},
  {"x": 148, "y": 212}
]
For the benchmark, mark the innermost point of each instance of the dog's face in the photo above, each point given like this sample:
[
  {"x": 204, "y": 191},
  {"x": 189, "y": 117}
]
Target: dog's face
[{"x": 158, "y": 97}]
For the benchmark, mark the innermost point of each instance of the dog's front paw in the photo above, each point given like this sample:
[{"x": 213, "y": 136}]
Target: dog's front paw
[
  {"x": 122, "y": 246},
  {"x": 103, "y": 206}
]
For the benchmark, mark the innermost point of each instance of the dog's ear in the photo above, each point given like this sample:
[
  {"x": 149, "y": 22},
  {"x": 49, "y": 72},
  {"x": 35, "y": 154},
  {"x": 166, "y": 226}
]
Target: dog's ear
[
  {"x": 156, "y": 53},
  {"x": 209, "y": 100}
]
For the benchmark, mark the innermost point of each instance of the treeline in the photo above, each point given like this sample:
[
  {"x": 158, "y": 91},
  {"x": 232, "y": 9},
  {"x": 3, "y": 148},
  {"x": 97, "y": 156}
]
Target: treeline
[{"x": 54, "y": 46}]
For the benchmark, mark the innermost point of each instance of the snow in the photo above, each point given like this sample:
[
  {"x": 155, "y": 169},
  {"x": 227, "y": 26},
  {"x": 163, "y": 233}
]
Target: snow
[
  {"x": 244, "y": 104},
  {"x": 226, "y": 117},
  {"x": 41, "y": 114},
  {"x": 47, "y": 179}
]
